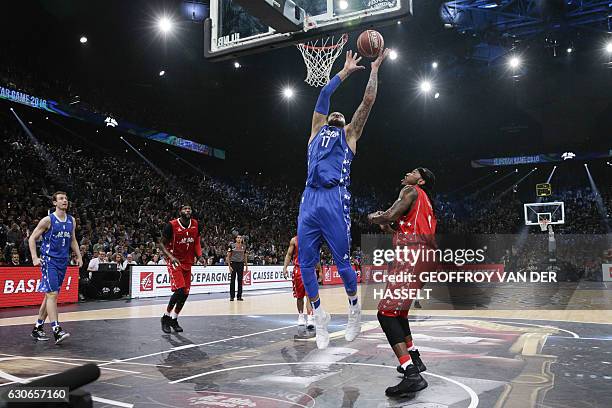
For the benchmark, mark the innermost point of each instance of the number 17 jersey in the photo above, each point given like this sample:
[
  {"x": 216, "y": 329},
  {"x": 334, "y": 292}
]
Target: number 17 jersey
[{"x": 329, "y": 159}]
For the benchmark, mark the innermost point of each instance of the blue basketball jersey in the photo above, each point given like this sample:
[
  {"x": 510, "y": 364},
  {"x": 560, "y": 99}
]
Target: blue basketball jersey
[
  {"x": 56, "y": 240},
  {"x": 329, "y": 159}
]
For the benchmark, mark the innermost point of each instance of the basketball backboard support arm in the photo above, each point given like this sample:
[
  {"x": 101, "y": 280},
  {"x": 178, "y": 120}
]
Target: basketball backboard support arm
[{"x": 223, "y": 43}]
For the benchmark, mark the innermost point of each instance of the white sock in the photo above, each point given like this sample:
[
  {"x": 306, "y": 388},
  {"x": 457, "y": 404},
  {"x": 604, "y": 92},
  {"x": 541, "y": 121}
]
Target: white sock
[
  {"x": 173, "y": 315},
  {"x": 166, "y": 314},
  {"x": 353, "y": 301},
  {"x": 406, "y": 364}
]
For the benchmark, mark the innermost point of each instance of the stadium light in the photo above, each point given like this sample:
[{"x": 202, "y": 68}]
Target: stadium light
[
  {"x": 514, "y": 62},
  {"x": 426, "y": 86},
  {"x": 437, "y": 95},
  {"x": 237, "y": 65},
  {"x": 164, "y": 24},
  {"x": 343, "y": 4},
  {"x": 288, "y": 92},
  {"x": 393, "y": 55},
  {"x": 162, "y": 73},
  {"x": 83, "y": 40},
  {"x": 570, "y": 50},
  {"x": 609, "y": 47},
  {"x": 434, "y": 64}
]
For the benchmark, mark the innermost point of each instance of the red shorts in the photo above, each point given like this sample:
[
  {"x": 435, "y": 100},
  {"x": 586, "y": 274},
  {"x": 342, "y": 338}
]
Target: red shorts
[
  {"x": 393, "y": 307},
  {"x": 298, "y": 285},
  {"x": 180, "y": 277}
]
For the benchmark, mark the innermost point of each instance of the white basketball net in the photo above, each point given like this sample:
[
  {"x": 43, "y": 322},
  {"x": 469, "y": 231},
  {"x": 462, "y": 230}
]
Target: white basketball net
[{"x": 319, "y": 56}]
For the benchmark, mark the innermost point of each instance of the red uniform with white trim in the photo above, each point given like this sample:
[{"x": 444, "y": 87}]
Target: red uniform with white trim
[
  {"x": 416, "y": 230},
  {"x": 298, "y": 285},
  {"x": 185, "y": 245}
]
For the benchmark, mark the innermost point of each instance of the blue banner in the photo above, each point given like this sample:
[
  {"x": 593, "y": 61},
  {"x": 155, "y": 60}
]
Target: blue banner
[
  {"x": 73, "y": 111},
  {"x": 542, "y": 158}
]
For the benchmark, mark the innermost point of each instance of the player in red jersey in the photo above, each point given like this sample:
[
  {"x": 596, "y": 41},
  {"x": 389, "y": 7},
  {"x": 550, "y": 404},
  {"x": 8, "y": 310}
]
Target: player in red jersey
[
  {"x": 416, "y": 227},
  {"x": 180, "y": 243},
  {"x": 299, "y": 293}
]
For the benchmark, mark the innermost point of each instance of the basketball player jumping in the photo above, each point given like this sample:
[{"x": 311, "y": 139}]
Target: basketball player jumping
[
  {"x": 416, "y": 228},
  {"x": 180, "y": 243},
  {"x": 325, "y": 206},
  {"x": 58, "y": 237}
]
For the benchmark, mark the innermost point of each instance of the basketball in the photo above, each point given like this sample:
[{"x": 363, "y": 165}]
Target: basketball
[{"x": 369, "y": 43}]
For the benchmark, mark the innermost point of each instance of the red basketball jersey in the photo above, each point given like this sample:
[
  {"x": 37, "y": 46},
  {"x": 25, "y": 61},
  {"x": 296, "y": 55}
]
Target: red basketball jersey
[
  {"x": 419, "y": 224},
  {"x": 185, "y": 241}
]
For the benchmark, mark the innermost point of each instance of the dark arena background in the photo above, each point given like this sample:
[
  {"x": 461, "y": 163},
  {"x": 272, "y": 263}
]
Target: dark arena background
[{"x": 137, "y": 109}]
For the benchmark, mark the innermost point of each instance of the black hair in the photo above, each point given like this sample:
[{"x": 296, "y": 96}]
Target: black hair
[{"x": 430, "y": 181}]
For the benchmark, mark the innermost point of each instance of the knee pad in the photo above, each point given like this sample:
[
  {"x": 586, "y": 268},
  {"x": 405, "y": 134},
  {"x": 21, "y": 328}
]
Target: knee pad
[{"x": 392, "y": 329}]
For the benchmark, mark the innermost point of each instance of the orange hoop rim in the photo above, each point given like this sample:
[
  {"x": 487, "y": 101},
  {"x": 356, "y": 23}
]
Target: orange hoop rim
[{"x": 343, "y": 39}]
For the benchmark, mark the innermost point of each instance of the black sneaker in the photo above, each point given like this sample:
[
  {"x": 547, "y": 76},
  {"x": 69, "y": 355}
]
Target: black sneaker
[
  {"x": 241, "y": 299},
  {"x": 231, "y": 299},
  {"x": 175, "y": 325},
  {"x": 411, "y": 383},
  {"x": 39, "y": 334},
  {"x": 59, "y": 334},
  {"x": 415, "y": 356},
  {"x": 165, "y": 324}
]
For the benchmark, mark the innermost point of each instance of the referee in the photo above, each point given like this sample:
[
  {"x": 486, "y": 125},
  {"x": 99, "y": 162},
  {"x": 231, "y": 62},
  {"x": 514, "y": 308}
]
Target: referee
[{"x": 237, "y": 258}]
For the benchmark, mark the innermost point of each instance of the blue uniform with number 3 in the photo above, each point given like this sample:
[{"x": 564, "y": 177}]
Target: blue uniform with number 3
[
  {"x": 54, "y": 253},
  {"x": 325, "y": 208}
]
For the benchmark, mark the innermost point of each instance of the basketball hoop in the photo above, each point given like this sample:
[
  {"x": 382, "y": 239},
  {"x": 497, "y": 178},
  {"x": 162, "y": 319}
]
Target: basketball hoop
[
  {"x": 319, "y": 56},
  {"x": 544, "y": 224}
]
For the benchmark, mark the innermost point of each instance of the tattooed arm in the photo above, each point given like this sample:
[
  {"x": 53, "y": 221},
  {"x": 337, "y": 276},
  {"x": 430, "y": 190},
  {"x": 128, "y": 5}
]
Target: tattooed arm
[{"x": 355, "y": 128}]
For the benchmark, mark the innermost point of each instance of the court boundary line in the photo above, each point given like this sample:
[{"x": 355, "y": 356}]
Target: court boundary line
[
  {"x": 474, "y": 400},
  {"x": 195, "y": 345}
]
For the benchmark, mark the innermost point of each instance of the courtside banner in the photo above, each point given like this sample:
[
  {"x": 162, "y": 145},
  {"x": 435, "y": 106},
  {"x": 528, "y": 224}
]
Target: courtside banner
[
  {"x": 19, "y": 285},
  {"x": 151, "y": 281},
  {"x": 606, "y": 270},
  {"x": 332, "y": 277}
]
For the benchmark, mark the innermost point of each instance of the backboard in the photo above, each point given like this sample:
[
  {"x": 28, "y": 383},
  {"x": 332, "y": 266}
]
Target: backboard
[
  {"x": 553, "y": 212},
  {"x": 231, "y": 32}
]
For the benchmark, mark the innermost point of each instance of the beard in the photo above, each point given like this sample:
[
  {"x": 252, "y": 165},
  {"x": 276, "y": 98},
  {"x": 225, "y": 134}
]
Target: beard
[{"x": 339, "y": 123}]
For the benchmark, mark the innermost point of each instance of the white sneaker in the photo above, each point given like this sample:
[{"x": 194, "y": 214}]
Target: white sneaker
[
  {"x": 353, "y": 327},
  {"x": 301, "y": 320},
  {"x": 310, "y": 322},
  {"x": 322, "y": 319}
]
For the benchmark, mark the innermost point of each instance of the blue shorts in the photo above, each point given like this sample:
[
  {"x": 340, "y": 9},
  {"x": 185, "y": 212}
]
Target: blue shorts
[
  {"x": 324, "y": 213},
  {"x": 53, "y": 272}
]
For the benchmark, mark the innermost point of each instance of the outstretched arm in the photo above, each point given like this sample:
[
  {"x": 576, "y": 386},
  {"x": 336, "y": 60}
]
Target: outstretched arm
[
  {"x": 399, "y": 207},
  {"x": 322, "y": 109},
  {"x": 355, "y": 128}
]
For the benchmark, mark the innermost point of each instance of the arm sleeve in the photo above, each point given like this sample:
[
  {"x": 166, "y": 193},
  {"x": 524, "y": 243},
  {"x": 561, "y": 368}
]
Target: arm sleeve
[
  {"x": 322, "y": 106},
  {"x": 167, "y": 232}
]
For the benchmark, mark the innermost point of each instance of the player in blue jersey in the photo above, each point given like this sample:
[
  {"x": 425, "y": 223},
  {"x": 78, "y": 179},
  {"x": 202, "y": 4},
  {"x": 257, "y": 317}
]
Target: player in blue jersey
[
  {"x": 58, "y": 236},
  {"x": 325, "y": 206}
]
